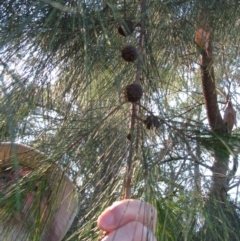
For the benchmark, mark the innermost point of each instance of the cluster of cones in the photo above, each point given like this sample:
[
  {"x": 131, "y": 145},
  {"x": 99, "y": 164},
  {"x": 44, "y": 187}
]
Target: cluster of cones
[{"x": 133, "y": 92}]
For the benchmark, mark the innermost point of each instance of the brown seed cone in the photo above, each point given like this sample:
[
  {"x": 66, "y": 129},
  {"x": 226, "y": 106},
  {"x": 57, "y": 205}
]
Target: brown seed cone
[
  {"x": 151, "y": 121},
  {"x": 126, "y": 28},
  {"x": 129, "y": 136},
  {"x": 129, "y": 53},
  {"x": 132, "y": 93}
]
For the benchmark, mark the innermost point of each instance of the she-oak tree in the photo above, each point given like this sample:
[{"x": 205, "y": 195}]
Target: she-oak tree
[{"x": 62, "y": 82}]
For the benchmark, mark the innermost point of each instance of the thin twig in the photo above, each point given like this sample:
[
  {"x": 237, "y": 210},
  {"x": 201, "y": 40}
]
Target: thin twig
[
  {"x": 128, "y": 178},
  {"x": 72, "y": 145},
  {"x": 143, "y": 107},
  {"x": 129, "y": 170},
  {"x": 234, "y": 185}
]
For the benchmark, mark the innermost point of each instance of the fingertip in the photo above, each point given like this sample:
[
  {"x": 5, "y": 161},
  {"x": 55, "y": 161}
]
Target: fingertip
[
  {"x": 106, "y": 221},
  {"x": 124, "y": 211},
  {"x": 132, "y": 231}
]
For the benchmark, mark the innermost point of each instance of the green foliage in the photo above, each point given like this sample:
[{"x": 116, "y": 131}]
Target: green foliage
[{"x": 61, "y": 84}]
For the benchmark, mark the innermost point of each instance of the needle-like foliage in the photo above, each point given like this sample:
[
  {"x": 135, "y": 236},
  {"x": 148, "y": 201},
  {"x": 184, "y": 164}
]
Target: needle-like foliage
[{"x": 62, "y": 82}]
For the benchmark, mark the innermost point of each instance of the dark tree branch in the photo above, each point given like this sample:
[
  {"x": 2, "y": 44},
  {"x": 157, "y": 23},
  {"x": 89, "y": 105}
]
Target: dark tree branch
[
  {"x": 128, "y": 178},
  {"x": 220, "y": 165},
  {"x": 210, "y": 92}
]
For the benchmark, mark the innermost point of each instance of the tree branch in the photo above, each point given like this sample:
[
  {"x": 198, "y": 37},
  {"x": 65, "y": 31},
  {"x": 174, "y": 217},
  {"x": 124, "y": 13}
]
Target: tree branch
[{"x": 128, "y": 179}]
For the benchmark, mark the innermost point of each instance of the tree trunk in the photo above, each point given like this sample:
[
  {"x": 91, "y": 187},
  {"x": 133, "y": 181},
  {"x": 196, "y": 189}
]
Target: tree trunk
[{"x": 221, "y": 156}]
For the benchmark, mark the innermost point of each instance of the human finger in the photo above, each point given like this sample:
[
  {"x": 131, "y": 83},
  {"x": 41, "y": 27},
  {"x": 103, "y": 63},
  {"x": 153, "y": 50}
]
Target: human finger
[
  {"x": 128, "y": 210},
  {"x": 132, "y": 231}
]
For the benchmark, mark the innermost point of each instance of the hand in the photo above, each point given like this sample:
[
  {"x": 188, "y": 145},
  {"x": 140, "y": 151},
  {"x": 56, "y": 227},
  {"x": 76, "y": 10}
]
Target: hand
[{"x": 128, "y": 220}]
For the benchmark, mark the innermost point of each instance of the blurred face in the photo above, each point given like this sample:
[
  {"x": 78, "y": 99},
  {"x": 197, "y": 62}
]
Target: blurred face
[
  {"x": 44, "y": 208},
  {"x": 8, "y": 175},
  {"x": 25, "y": 215}
]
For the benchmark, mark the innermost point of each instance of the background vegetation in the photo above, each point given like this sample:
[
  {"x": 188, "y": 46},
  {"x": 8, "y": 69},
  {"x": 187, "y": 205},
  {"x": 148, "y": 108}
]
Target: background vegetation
[{"x": 62, "y": 78}]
